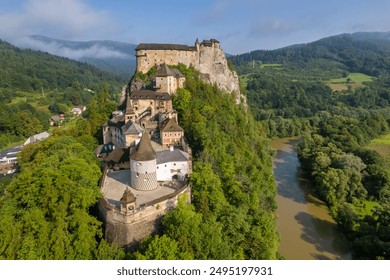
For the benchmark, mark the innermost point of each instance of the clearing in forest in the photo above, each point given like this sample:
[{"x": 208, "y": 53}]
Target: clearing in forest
[{"x": 351, "y": 82}]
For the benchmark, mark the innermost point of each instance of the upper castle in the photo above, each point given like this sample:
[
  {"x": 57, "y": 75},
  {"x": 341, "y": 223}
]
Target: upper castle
[{"x": 207, "y": 57}]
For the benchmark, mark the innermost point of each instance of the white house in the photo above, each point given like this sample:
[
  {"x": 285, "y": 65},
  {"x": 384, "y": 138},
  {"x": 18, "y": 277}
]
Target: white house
[
  {"x": 172, "y": 164},
  {"x": 36, "y": 137}
]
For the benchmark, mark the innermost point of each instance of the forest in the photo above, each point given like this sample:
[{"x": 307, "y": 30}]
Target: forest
[
  {"x": 233, "y": 211},
  {"x": 291, "y": 93},
  {"x": 48, "y": 209},
  {"x": 35, "y": 85}
]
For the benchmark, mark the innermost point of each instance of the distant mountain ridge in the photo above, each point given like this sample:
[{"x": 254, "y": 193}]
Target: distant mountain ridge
[
  {"x": 111, "y": 56},
  {"x": 32, "y": 70},
  {"x": 365, "y": 52}
]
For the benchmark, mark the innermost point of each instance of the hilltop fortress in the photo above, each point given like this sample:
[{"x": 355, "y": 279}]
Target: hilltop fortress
[
  {"x": 147, "y": 161},
  {"x": 207, "y": 57}
]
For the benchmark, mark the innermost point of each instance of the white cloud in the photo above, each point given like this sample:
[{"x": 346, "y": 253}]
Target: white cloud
[
  {"x": 70, "y": 19},
  {"x": 95, "y": 50}
]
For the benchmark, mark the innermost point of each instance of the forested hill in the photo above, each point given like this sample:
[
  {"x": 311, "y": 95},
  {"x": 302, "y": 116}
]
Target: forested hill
[
  {"x": 32, "y": 70},
  {"x": 114, "y": 57},
  {"x": 365, "y": 52}
]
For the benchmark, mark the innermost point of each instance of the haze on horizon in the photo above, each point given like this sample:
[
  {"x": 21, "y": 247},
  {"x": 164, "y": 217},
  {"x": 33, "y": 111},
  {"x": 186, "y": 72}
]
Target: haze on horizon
[{"x": 241, "y": 26}]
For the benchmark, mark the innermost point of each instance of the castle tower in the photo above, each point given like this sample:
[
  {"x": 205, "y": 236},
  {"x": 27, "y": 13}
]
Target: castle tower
[
  {"x": 128, "y": 202},
  {"x": 143, "y": 165},
  {"x": 165, "y": 79},
  {"x": 129, "y": 113}
]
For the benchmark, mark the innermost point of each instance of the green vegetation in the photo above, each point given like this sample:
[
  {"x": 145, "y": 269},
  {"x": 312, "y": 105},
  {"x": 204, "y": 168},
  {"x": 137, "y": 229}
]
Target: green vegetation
[
  {"x": 381, "y": 145},
  {"x": 366, "y": 208},
  {"x": 299, "y": 98},
  {"x": 36, "y": 85},
  {"x": 45, "y": 210},
  {"x": 353, "y": 180},
  {"x": 232, "y": 215},
  {"x": 384, "y": 139},
  {"x": 33, "y": 70},
  {"x": 275, "y": 65},
  {"x": 48, "y": 208},
  {"x": 350, "y": 83}
]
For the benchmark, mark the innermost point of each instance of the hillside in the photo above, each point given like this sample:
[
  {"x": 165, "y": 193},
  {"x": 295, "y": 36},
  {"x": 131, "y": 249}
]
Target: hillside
[
  {"x": 31, "y": 70},
  {"x": 115, "y": 57},
  {"x": 337, "y": 74},
  {"x": 334, "y": 93},
  {"x": 368, "y": 53},
  {"x": 232, "y": 215},
  {"x": 35, "y": 85}
]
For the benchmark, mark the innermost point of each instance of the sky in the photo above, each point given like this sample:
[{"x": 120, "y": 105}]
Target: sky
[{"x": 240, "y": 25}]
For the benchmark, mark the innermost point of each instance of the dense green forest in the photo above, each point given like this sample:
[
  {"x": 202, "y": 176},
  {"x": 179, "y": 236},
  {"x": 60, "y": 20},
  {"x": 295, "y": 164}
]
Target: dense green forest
[
  {"x": 322, "y": 92},
  {"x": 287, "y": 87},
  {"x": 35, "y": 85},
  {"x": 51, "y": 202},
  {"x": 48, "y": 209},
  {"x": 232, "y": 212},
  {"x": 290, "y": 91}
]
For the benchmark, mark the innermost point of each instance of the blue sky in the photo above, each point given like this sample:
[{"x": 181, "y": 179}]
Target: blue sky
[{"x": 240, "y": 25}]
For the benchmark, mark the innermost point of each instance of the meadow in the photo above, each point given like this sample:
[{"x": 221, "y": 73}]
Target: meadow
[
  {"x": 381, "y": 145},
  {"x": 351, "y": 82}
]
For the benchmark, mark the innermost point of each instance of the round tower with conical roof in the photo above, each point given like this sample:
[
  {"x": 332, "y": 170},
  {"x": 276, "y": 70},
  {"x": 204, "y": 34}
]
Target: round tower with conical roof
[{"x": 143, "y": 165}]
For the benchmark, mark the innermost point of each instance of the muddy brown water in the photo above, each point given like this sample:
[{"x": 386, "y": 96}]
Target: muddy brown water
[{"x": 307, "y": 230}]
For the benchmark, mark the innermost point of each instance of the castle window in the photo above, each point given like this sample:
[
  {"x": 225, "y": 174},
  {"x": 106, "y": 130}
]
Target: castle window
[
  {"x": 174, "y": 164},
  {"x": 137, "y": 175}
]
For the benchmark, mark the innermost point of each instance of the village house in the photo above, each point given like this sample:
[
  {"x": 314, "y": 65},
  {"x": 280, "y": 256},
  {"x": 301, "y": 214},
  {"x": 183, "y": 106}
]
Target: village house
[
  {"x": 56, "y": 120},
  {"x": 78, "y": 110},
  {"x": 36, "y": 138}
]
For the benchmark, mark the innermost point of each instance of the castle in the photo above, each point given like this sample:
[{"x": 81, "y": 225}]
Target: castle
[
  {"x": 147, "y": 162},
  {"x": 207, "y": 57}
]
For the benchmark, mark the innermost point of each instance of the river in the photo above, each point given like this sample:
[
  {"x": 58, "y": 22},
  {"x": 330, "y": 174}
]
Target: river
[{"x": 307, "y": 230}]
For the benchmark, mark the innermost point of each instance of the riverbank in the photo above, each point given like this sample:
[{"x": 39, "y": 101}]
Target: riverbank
[{"x": 307, "y": 230}]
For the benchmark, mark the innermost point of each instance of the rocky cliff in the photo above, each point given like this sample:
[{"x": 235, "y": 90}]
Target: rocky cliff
[{"x": 213, "y": 65}]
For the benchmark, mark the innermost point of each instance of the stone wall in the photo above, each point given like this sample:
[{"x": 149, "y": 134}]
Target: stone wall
[
  {"x": 146, "y": 59},
  {"x": 128, "y": 229},
  {"x": 208, "y": 60}
]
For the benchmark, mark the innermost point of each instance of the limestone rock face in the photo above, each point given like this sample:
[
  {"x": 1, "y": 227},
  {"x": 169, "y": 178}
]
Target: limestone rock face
[{"x": 213, "y": 64}]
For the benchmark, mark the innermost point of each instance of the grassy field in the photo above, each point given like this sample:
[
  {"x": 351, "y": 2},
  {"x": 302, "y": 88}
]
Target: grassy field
[
  {"x": 366, "y": 207},
  {"x": 354, "y": 81},
  {"x": 274, "y": 65},
  {"x": 381, "y": 145}
]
